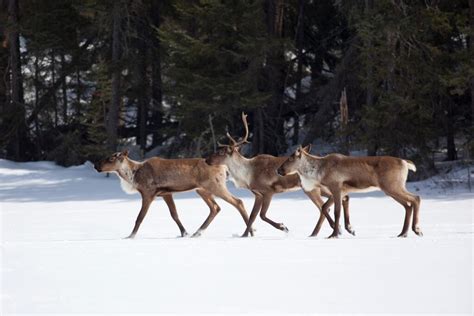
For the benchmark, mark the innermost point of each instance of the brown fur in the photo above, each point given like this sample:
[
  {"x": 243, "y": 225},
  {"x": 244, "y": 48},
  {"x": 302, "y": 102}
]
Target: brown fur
[
  {"x": 343, "y": 174},
  {"x": 163, "y": 177},
  {"x": 264, "y": 182}
]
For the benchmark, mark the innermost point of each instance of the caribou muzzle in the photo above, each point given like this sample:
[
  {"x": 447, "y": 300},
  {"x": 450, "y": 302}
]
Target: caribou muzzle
[{"x": 98, "y": 166}]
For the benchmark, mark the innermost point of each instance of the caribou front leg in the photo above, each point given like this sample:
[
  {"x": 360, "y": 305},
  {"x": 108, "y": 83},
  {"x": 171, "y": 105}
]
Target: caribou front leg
[
  {"x": 322, "y": 215},
  {"x": 256, "y": 208},
  {"x": 147, "y": 198},
  {"x": 315, "y": 197},
  {"x": 174, "y": 213},
  {"x": 347, "y": 221},
  {"x": 336, "y": 193}
]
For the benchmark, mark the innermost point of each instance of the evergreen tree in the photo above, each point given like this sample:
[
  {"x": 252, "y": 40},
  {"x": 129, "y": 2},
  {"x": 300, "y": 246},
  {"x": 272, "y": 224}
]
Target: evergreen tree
[
  {"x": 81, "y": 78},
  {"x": 417, "y": 67},
  {"x": 215, "y": 52}
]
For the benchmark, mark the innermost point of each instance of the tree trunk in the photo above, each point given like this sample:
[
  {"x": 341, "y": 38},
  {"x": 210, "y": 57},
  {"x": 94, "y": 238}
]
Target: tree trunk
[
  {"x": 53, "y": 79},
  {"x": 471, "y": 44},
  {"x": 64, "y": 89},
  {"x": 4, "y": 71},
  {"x": 156, "y": 81},
  {"x": 113, "y": 113},
  {"x": 259, "y": 132},
  {"x": 344, "y": 120},
  {"x": 299, "y": 69},
  {"x": 141, "y": 84},
  {"x": 372, "y": 150},
  {"x": 450, "y": 132},
  {"x": 274, "y": 136},
  {"x": 78, "y": 92},
  {"x": 17, "y": 145},
  {"x": 37, "y": 97}
]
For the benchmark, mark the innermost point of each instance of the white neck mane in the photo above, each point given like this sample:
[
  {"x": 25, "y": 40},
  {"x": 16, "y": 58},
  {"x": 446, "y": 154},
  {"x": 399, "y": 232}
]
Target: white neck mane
[
  {"x": 240, "y": 171},
  {"x": 309, "y": 174},
  {"x": 126, "y": 175}
]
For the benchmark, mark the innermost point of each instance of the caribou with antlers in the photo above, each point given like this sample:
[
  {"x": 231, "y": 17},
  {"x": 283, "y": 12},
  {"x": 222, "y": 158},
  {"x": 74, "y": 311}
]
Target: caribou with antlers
[
  {"x": 259, "y": 175},
  {"x": 343, "y": 174},
  {"x": 163, "y": 177}
]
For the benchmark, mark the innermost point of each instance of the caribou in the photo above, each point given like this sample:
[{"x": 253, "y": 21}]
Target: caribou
[
  {"x": 164, "y": 177},
  {"x": 259, "y": 175},
  {"x": 344, "y": 174}
]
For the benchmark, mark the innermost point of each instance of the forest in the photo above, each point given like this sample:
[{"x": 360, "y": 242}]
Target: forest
[{"x": 83, "y": 78}]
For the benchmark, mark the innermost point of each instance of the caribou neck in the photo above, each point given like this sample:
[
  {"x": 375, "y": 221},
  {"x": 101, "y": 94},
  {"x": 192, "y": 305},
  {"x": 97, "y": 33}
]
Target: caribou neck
[
  {"x": 240, "y": 169},
  {"x": 128, "y": 169},
  {"x": 310, "y": 172}
]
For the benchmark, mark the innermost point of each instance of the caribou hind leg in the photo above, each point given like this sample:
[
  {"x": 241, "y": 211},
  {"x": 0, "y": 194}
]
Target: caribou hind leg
[
  {"x": 267, "y": 198},
  {"x": 238, "y": 204},
  {"x": 400, "y": 198},
  {"x": 416, "y": 215},
  {"x": 214, "y": 208}
]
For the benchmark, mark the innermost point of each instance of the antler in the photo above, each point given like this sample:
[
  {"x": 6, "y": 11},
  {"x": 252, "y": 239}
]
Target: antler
[
  {"x": 221, "y": 145},
  {"x": 232, "y": 140},
  {"x": 235, "y": 143},
  {"x": 244, "y": 139},
  {"x": 246, "y": 125}
]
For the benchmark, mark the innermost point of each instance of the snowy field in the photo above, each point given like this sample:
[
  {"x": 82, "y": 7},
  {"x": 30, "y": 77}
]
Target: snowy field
[{"x": 63, "y": 252}]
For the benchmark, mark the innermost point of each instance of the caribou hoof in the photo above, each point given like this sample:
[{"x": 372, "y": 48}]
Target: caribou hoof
[
  {"x": 283, "y": 228},
  {"x": 402, "y": 235},
  {"x": 350, "y": 231},
  {"x": 196, "y": 234},
  {"x": 417, "y": 231},
  {"x": 334, "y": 235},
  {"x": 252, "y": 232},
  {"x": 131, "y": 236},
  {"x": 184, "y": 234}
]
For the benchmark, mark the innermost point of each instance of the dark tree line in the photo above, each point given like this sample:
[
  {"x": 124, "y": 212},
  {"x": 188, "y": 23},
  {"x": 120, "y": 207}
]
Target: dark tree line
[{"x": 170, "y": 77}]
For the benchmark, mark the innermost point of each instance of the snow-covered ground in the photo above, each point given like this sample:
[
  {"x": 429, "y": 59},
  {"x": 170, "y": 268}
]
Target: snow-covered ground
[{"x": 63, "y": 252}]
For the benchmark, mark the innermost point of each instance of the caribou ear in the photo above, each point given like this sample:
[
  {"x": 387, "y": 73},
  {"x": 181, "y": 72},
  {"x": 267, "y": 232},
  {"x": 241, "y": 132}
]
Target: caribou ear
[
  {"x": 307, "y": 148},
  {"x": 125, "y": 153}
]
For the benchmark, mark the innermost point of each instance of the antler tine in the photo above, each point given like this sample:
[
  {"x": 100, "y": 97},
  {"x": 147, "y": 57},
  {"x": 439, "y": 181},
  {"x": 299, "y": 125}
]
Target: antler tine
[
  {"x": 233, "y": 141},
  {"x": 221, "y": 145},
  {"x": 246, "y": 126}
]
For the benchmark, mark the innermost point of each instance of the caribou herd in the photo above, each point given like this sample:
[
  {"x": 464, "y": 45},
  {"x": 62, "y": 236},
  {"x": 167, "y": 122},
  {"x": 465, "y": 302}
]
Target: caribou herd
[{"x": 333, "y": 176}]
